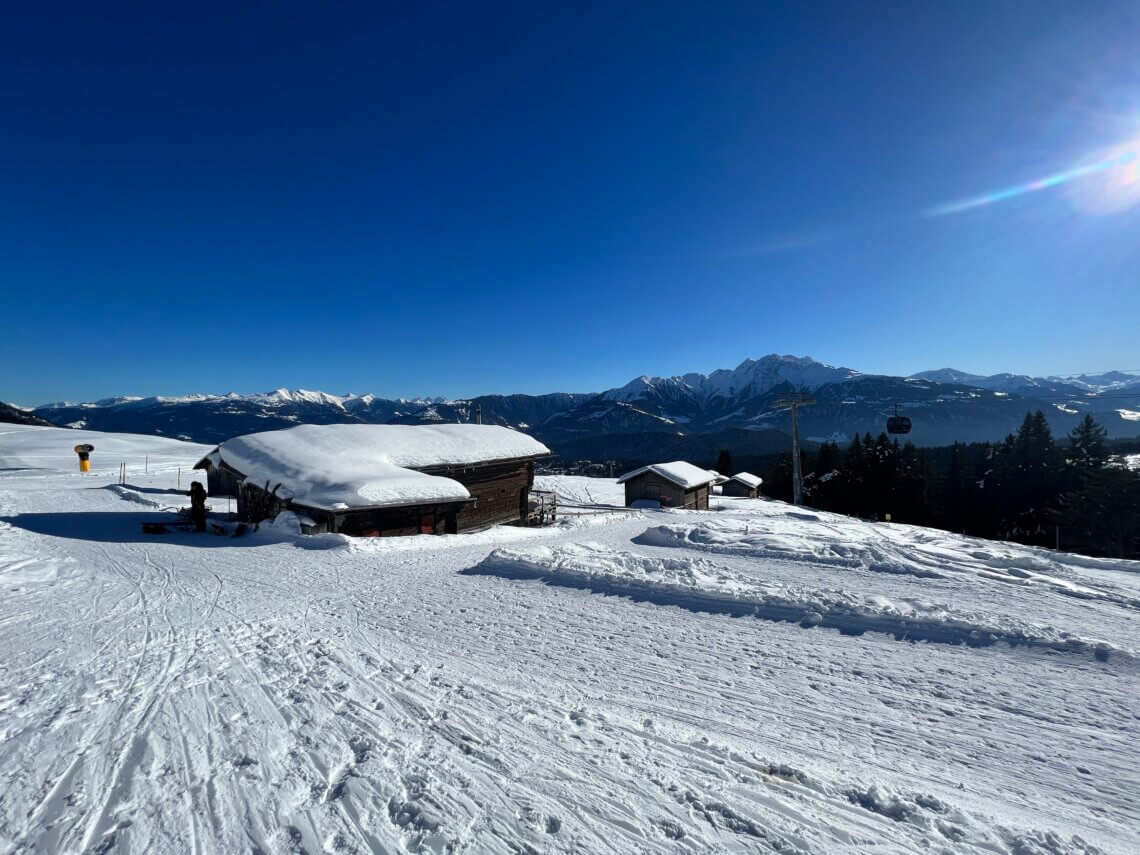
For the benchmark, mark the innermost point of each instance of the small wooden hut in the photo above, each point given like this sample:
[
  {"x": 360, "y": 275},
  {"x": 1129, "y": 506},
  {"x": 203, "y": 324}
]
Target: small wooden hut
[
  {"x": 219, "y": 482},
  {"x": 742, "y": 484},
  {"x": 718, "y": 480},
  {"x": 372, "y": 480},
  {"x": 672, "y": 485}
]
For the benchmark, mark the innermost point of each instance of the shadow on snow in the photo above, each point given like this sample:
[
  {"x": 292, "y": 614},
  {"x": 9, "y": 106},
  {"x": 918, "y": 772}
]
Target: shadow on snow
[{"x": 120, "y": 527}]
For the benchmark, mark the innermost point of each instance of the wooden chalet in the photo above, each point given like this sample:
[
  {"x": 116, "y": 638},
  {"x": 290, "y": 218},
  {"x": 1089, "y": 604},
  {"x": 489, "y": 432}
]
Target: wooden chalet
[
  {"x": 381, "y": 480},
  {"x": 672, "y": 485},
  {"x": 219, "y": 482},
  {"x": 742, "y": 484}
]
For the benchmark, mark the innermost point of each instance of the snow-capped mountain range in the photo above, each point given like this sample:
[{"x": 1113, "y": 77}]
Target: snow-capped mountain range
[
  {"x": 1023, "y": 384},
  {"x": 653, "y": 412}
]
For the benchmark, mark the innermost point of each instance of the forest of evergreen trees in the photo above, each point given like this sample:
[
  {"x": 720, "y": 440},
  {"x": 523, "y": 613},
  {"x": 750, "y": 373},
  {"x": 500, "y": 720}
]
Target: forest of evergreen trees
[{"x": 1029, "y": 488}]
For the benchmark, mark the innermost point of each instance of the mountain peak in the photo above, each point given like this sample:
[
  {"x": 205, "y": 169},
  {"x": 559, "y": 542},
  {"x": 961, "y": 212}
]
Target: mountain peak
[
  {"x": 753, "y": 376},
  {"x": 946, "y": 375}
]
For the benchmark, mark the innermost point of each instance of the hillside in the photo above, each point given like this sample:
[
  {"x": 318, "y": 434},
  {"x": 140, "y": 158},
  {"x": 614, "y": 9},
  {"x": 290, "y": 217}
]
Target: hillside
[
  {"x": 748, "y": 679},
  {"x": 17, "y": 416}
]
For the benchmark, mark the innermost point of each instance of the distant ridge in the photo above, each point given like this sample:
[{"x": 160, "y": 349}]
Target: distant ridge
[
  {"x": 625, "y": 422},
  {"x": 11, "y": 414}
]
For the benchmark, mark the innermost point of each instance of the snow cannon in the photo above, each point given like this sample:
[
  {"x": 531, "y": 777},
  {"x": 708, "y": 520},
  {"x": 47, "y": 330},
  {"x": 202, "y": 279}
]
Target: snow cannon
[{"x": 84, "y": 451}]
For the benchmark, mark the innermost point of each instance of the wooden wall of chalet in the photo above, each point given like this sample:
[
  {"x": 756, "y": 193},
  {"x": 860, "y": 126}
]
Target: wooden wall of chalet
[
  {"x": 392, "y": 522},
  {"x": 735, "y": 488},
  {"x": 500, "y": 489},
  {"x": 220, "y": 483},
  {"x": 255, "y": 505},
  {"x": 651, "y": 486}
]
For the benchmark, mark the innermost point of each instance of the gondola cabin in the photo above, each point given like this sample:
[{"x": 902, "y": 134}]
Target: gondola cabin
[
  {"x": 898, "y": 424},
  {"x": 669, "y": 485},
  {"x": 373, "y": 480}
]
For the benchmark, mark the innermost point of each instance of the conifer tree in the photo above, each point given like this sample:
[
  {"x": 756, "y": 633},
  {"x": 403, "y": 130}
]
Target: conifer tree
[
  {"x": 778, "y": 481},
  {"x": 1087, "y": 448},
  {"x": 956, "y": 490},
  {"x": 908, "y": 498},
  {"x": 852, "y": 497},
  {"x": 1035, "y": 481},
  {"x": 825, "y": 477},
  {"x": 1104, "y": 517},
  {"x": 724, "y": 463}
]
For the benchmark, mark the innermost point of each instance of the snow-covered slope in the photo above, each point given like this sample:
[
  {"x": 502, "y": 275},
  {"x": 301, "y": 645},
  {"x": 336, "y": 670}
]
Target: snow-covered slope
[{"x": 757, "y": 678}]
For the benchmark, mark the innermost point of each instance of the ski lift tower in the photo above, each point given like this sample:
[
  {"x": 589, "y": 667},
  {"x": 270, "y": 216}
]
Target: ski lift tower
[{"x": 794, "y": 402}]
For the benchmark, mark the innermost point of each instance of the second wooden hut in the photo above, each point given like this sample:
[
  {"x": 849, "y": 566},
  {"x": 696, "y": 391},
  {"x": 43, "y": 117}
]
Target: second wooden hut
[{"x": 671, "y": 485}]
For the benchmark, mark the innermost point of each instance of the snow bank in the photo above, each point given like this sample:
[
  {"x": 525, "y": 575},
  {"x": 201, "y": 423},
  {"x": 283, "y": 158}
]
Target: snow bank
[
  {"x": 929, "y": 553},
  {"x": 698, "y": 584},
  {"x": 353, "y": 466},
  {"x": 679, "y": 472}
]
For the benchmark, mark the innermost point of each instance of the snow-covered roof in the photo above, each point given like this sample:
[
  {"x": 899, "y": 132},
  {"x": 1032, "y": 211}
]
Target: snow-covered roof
[
  {"x": 679, "y": 472},
  {"x": 211, "y": 459},
  {"x": 357, "y": 466},
  {"x": 748, "y": 479},
  {"x": 717, "y": 477}
]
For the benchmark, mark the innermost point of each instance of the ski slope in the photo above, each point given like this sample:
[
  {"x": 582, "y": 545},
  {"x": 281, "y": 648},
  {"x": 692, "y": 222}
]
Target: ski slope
[{"x": 755, "y": 678}]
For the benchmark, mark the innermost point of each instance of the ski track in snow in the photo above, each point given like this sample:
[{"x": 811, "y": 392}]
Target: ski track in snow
[{"x": 274, "y": 694}]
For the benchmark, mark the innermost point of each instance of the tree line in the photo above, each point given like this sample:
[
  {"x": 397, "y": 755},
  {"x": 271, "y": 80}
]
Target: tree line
[{"x": 1028, "y": 488}]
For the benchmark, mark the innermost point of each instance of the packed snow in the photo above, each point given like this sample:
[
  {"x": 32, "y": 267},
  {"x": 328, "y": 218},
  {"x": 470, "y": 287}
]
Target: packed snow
[
  {"x": 678, "y": 472},
  {"x": 352, "y": 466},
  {"x": 753, "y": 678}
]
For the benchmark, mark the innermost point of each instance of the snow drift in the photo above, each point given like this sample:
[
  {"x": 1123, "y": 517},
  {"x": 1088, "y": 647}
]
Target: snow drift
[{"x": 702, "y": 585}]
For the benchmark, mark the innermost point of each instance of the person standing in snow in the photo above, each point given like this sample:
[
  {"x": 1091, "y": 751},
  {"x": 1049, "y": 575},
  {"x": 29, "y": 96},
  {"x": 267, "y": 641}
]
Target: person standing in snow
[{"x": 198, "y": 505}]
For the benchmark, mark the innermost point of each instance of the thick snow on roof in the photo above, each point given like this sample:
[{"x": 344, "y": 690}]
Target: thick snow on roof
[
  {"x": 211, "y": 459},
  {"x": 748, "y": 479},
  {"x": 717, "y": 477},
  {"x": 333, "y": 466},
  {"x": 679, "y": 472}
]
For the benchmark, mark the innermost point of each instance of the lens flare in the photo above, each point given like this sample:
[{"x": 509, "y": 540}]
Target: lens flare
[
  {"x": 1110, "y": 190},
  {"x": 1112, "y": 183}
]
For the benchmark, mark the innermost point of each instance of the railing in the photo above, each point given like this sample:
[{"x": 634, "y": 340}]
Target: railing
[{"x": 542, "y": 507}]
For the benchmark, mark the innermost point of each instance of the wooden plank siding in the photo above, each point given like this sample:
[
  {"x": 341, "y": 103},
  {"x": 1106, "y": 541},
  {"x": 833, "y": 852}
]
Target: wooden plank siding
[
  {"x": 652, "y": 487},
  {"x": 735, "y": 488},
  {"x": 499, "y": 490},
  {"x": 220, "y": 483}
]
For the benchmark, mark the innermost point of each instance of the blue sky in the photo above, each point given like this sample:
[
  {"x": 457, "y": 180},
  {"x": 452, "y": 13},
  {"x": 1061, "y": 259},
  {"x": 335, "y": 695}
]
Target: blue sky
[{"x": 453, "y": 199}]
